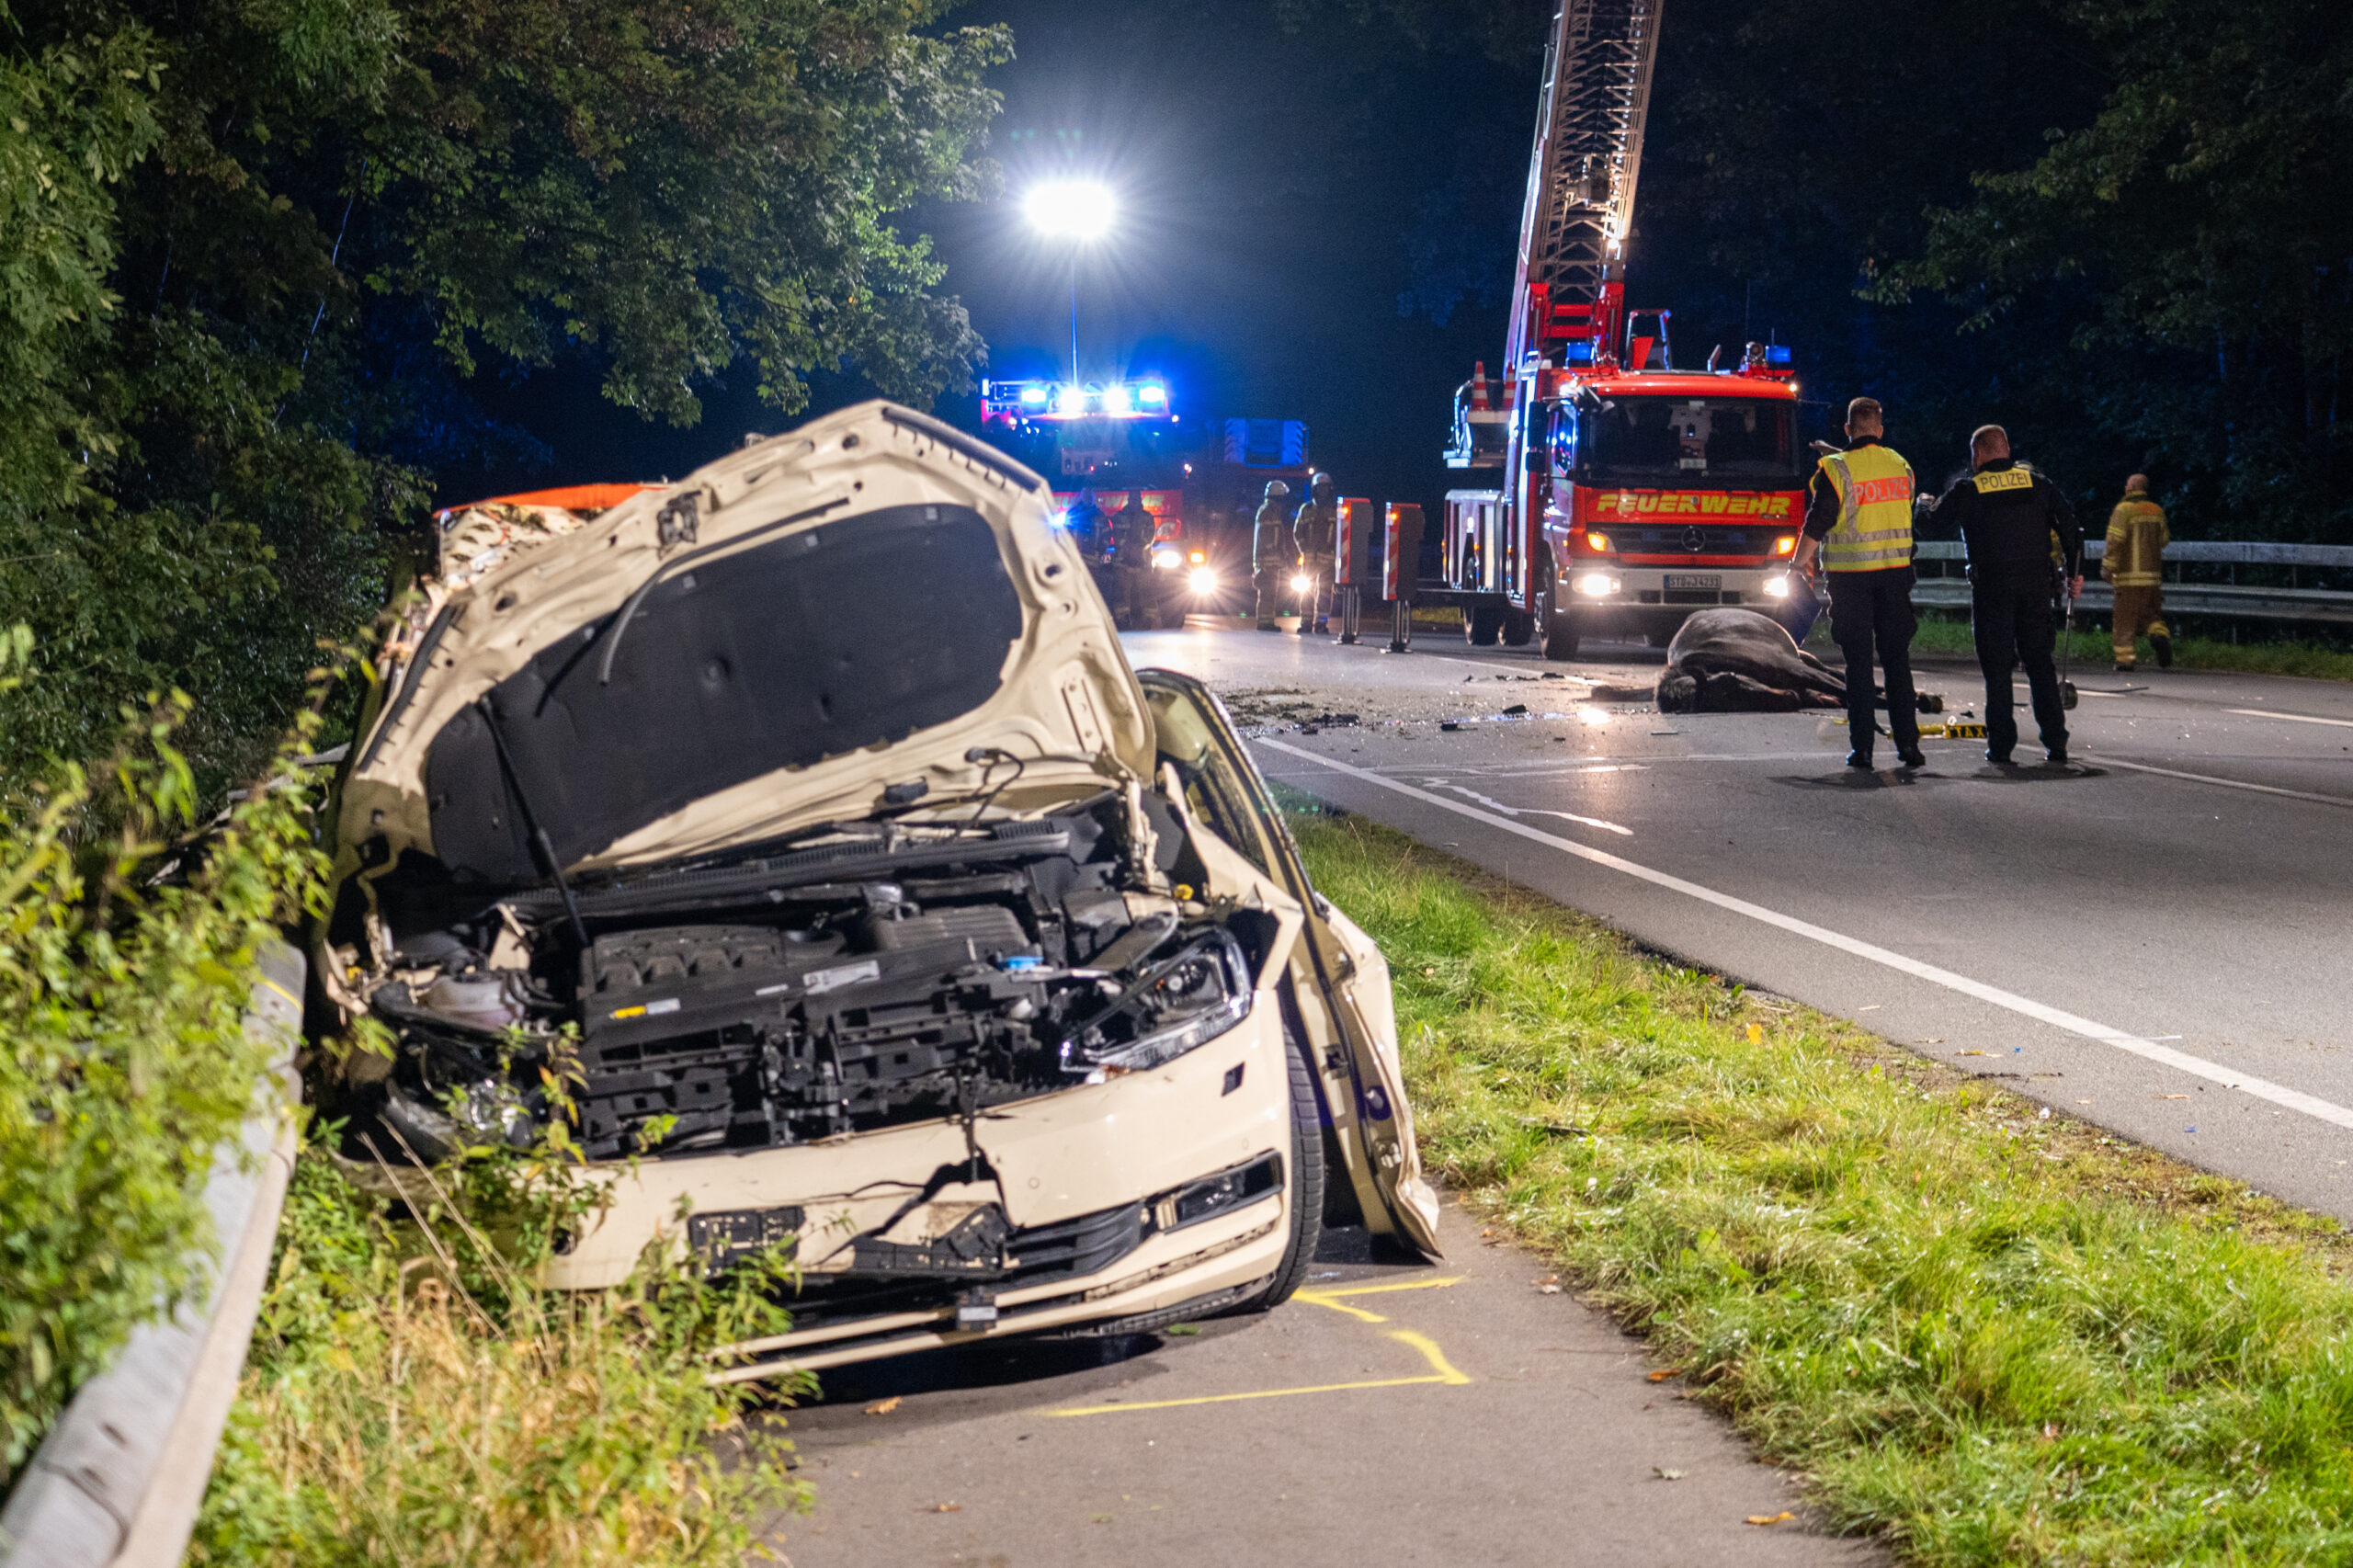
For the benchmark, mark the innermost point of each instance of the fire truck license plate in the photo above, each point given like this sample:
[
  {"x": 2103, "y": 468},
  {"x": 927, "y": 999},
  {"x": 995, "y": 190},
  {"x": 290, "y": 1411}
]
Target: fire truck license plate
[{"x": 1694, "y": 580}]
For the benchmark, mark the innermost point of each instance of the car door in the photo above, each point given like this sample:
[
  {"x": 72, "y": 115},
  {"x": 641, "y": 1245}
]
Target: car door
[{"x": 1340, "y": 982}]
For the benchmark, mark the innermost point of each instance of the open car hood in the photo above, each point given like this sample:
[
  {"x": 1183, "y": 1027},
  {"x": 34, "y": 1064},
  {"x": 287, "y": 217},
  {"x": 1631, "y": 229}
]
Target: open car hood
[{"x": 874, "y": 602}]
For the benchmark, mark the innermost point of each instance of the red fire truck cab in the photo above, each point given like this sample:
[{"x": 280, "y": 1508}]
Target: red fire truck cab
[{"x": 1629, "y": 499}]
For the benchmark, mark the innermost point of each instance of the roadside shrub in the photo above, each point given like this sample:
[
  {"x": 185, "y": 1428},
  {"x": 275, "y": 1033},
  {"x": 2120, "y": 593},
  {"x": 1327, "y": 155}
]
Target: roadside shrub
[
  {"x": 413, "y": 1397},
  {"x": 125, "y": 965}
]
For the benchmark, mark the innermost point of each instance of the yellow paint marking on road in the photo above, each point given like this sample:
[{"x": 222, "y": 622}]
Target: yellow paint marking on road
[
  {"x": 1331, "y": 1297},
  {"x": 1430, "y": 1352},
  {"x": 1441, "y": 1371}
]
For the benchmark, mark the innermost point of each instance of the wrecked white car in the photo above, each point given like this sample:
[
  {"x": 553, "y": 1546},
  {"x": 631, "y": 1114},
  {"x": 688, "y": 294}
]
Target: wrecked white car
[{"x": 811, "y": 805}]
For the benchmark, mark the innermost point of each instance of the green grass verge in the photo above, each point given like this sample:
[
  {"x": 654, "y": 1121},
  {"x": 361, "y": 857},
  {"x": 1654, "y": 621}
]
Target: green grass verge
[
  {"x": 2095, "y": 653},
  {"x": 1988, "y": 1336},
  {"x": 413, "y": 1399}
]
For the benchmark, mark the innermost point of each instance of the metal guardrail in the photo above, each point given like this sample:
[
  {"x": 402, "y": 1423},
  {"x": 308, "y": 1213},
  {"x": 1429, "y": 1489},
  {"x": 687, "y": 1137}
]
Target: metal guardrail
[
  {"x": 2313, "y": 606},
  {"x": 118, "y": 1480}
]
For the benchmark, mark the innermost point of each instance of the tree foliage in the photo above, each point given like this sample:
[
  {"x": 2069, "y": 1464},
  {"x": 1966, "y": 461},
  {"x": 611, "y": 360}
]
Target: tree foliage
[
  {"x": 2204, "y": 217},
  {"x": 257, "y": 258},
  {"x": 124, "y": 1063}
]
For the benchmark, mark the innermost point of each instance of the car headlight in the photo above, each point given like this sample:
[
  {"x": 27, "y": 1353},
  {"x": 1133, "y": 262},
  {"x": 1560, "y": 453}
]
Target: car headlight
[
  {"x": 1777, "y": 588},
  {"x": 1165, "y": 560},
  {"x": 1204, "y": 580},
  {"x": 1177, "y": 1005},
  {"x": 1301, "y": 582},
  {"x": 1597, "y": 585}
]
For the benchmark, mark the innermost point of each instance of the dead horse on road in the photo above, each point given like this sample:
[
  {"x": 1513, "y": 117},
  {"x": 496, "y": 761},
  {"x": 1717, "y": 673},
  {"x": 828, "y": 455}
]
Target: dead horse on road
[{"x": 1737, "y": 661}]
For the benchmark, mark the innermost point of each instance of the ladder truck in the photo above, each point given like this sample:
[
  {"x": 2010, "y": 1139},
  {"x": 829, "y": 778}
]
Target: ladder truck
[{"x": 1622, "y": 494}]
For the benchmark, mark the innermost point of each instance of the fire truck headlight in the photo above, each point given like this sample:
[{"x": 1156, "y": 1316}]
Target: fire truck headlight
[
  {"x": 1777, "y": 588},
  {"x": 1597, "y": 585},
  {"x": 1301, "y": 582},
  {"x": 1165, "y": 560},
  {"x": 1204, "y": 580}
]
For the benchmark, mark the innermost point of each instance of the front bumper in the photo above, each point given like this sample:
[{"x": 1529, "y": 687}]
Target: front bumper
[
  {"x": 1661, "y": 589},
  {"x": 1076, "y": 1174}
]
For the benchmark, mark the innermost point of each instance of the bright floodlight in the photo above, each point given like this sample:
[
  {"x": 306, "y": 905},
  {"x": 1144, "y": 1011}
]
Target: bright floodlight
[{"x": 1071, "y": 209}]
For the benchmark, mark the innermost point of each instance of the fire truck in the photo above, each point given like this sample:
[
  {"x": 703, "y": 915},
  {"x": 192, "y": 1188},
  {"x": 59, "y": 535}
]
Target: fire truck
[
  {"x": 1621, "y": 494},
  {"x": 1112, "y": 439}
]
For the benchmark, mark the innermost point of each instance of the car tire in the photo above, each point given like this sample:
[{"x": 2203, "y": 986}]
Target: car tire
[
  {"x": 1309, "y": 1175},
  {"x": 1519, "y": 629},
  {"x": 1483, "y": 624}
]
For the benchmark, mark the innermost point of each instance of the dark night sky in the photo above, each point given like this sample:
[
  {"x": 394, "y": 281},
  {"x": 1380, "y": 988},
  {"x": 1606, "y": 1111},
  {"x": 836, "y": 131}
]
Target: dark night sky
[
  {"x": 1279, "y": 191},
  {"x": 1268, "y": 181}
]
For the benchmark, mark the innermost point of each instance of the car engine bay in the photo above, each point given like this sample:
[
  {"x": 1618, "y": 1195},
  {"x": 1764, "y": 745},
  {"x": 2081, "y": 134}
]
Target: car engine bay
[{"x": 865, "y": 976}]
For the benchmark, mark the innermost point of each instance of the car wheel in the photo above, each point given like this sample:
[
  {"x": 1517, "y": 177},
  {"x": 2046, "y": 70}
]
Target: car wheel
[
  {"x": 1520, "y": 628},
  {"x": 1482, "y": 624},
  {"x": 1309, "y": 1175}
]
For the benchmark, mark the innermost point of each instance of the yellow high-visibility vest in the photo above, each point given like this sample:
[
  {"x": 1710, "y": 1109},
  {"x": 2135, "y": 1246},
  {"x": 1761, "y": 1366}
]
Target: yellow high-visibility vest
[{"x": 1875, "y": 528}]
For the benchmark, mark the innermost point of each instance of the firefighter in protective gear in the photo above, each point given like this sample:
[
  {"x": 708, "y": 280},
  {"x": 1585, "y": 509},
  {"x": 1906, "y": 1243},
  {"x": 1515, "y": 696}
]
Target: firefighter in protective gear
[
  {"x": 1315, "y": 528},
  {"x": 1133, "y": 527},
  {"x": 1084, "y": 521},
  {"x": 1272, "y": 554},
  {"x": 1858, "y": 518},
  {"x": 2007, "y": 514},
  {"x": 2135, "y": 565}
]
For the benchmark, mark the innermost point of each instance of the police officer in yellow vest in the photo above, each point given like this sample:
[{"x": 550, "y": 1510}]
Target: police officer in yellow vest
[
  {"x": 1858, "y": 516},
  {"x": 2007, "y": 515},
  {"x": 2135, "y": 564}
]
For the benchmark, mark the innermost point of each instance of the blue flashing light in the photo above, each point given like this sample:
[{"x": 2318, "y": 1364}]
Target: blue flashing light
[
  {"x": 1150, "y": 394},
  {"x": 1779, "y": 354},
  {"x": 1033, "y": 396},
  {"x": 1115, "y": 399},
  {"x": 1579, "y": 352},
  {"x": 1069, "y": 400}
]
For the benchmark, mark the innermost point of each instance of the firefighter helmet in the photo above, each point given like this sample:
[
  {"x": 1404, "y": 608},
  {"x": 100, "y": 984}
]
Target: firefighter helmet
[
  {"x": 1277, "y": 490},
  {"x": 1322, "y": 485}
]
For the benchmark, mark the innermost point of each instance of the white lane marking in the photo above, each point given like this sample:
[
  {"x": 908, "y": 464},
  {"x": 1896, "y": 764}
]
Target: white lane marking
[
  {"x": 2292, "y": 718},
  {"x": 2225, "y": 783},
  {"x": 2137, "y": 1045},
  {"x": 1530, "y": 811},
  {"x": 1592, "y": 764}
]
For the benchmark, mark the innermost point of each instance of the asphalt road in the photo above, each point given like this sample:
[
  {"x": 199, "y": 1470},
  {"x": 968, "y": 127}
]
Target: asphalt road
[
  {"x": 2159, "y": 939},
  {"x": 1406, "y": 1415}
]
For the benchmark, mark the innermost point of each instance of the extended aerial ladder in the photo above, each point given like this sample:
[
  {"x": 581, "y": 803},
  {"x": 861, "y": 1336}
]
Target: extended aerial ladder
[
  {"x": 1624, "y": 496},
  {"x": 1569, "y": 284}
]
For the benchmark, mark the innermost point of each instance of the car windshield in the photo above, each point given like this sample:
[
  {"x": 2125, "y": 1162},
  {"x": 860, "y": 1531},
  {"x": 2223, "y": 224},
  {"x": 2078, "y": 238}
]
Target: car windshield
[{"x": 1688, "y": 443}]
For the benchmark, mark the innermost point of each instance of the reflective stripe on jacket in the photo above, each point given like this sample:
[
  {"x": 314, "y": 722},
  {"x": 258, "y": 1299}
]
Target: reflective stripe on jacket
[
  {"x": 1270, "y": 540},
  {"x": 1875, "y": 528},
  {"x": 2136, "y": 543}
]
